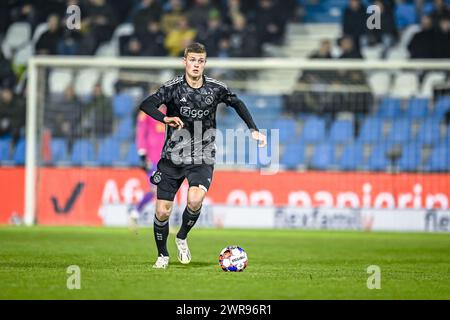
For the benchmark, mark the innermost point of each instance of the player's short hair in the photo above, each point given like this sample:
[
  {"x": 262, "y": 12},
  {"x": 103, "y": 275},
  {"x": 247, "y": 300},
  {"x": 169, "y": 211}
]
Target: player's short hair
[{"x": 194, "y": 47}]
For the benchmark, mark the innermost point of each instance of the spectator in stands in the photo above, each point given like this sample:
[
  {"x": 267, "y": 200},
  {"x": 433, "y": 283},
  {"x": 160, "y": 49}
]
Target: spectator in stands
[
  {"x": 269, "y": 23},
  {"x": 289, "y": 9},
  {"x": 320, "y": 76},
  {"x": 152, "y": 40},
  {"x": 69, "y": 43},
  {"x": 211, "y": 36},
  {"x": 97, "y": 117},
  {"x": 354, "y": 21},
  {"x": 149, "y": 43},
  {"x": 180, "y": 37},
  {"x": 24, "y": 11},
  {"x": 133, "y": 47},
  {"x": 147, "y": 11},
  {"x": 63, "y": 116},
  {"x": 7, "y": 76},
  {"x": 348, "y": 49},
  {"x": 440, "y": 10},
  {"x": 244, "y": 41},
  {"x": 98, "y": 25},
  {"x": 198, "y": 14},
  {"x": 170, "y": 18},
  {"x": 224, "y": 48},
  {"x": 422, "y": 43},
  {"x": 48, "y": 42},
  {"x": 387, "y": 35},
  {"x": 231, "y": 8},
  {"x": 324, "y": 51},
  {"x": 442, "y": 44},
  {"x": 12, "y": 114}
]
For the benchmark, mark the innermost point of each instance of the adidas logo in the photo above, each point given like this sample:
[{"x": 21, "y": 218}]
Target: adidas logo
[{"x": 183, "y": 99}]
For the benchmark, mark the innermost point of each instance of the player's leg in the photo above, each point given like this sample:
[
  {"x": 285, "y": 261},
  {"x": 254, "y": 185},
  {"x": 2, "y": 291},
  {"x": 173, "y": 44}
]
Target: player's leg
[
  {"x": 168, "y": 185},
  {"x": 199, "y": 179},
  {"x": 161, "y": 225},
  {"x": 192, "y": 210}
]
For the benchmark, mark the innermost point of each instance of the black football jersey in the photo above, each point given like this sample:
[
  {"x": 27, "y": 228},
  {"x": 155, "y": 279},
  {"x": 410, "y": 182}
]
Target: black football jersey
[{"x": 196, "y": 107}]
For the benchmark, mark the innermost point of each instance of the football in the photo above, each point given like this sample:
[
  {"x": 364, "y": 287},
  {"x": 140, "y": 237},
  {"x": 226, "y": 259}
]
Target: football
[{"x": 233, "y": 258}]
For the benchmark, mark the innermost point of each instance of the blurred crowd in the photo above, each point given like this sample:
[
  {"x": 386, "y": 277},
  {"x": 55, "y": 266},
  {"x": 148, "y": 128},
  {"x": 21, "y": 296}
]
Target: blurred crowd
[
  {"x": 229, "y": 28},
  {"x": 431, "y": 41},
  {"x": 161, "y": 27}
]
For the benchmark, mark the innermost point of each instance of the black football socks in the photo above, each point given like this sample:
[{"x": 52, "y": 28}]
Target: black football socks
[
  {"x": 189, "y": 219},
  {"x": 161, "y": 231}
]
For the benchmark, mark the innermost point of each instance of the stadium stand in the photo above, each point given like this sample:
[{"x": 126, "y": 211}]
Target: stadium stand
[{"x": 405, "y": 111}]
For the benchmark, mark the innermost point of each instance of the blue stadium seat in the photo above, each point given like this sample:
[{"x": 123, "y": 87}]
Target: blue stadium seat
[
  {"x": 341, "y": 131},
  {"x": 400, "y": 131},
  {"x": 19, "y": 152},
  {"x": 287, "y": 129},
  {"x": 123, "y": 105},
  {"x": 442, "y": 106},
  {"x": 378, "y": 160},
  {"x": 83, "y": 153},
  {"x": 313, "y": 130},
  {"x": 352, "y": 157},
  {"x": 323, "y": 157},
  {"x": 263, "y": 104},
  {"x": 264, "y": 156},
  {"x": 371, "y": 130},
  {"x": 417, "y": 108},
  {"x": 390, "y": 108},
  {"x": 440, "y": 158},
  {"x": 59, "y": 150},
  {"x": 125, "y": 129},
  {"x": 405, "y": 15},
  {"x": 264, "y": 123},
  {"x": 411, "y": 157},
  {"x": 132, "y": 157},
  {"x": 5, "y": 149},
  {"x": 293, "y": 155},
  {"x": 447, "y": 138},
  {"x": 108, "y": 151},
  {"x": 429, "y": 132}
]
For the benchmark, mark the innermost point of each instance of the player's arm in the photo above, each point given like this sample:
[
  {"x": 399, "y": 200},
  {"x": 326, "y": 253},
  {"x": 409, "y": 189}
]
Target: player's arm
[
  {"x": 242, "y": 110},
  {"x": 151, "y": 104}
]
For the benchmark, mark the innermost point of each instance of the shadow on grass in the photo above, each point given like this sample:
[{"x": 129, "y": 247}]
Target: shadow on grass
[{"x": 195, "y": 264}]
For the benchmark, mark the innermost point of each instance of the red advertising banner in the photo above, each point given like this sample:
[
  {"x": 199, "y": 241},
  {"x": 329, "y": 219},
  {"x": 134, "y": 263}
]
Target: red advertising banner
[
  {"x": 75, "y": 196},
  {"x": 12, "y": 186}
]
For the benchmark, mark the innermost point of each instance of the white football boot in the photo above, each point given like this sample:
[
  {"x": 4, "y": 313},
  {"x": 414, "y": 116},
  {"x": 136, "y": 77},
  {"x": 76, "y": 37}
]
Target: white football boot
[
  {"x": 184, "y": 255},
  {"x": 161, "y": 263}
]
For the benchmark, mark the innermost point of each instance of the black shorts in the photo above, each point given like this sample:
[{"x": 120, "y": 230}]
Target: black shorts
[{"x": 172, "y": 176}]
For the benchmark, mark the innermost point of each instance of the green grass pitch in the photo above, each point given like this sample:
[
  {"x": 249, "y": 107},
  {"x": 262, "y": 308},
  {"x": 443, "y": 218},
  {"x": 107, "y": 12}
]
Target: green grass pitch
[{"x": 283, "y": 264}]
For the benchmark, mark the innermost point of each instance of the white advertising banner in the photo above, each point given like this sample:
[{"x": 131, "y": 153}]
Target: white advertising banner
[{"x": 223, "y": 216}]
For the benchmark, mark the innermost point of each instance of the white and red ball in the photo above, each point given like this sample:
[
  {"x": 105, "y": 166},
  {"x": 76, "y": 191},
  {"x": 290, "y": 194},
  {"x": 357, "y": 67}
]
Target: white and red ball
[{"x": 233, "y": 258}]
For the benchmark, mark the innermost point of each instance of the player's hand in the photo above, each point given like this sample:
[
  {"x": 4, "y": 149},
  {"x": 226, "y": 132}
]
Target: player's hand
[
  {"x": 174, "y": 122},
  {"x": 259, "y": 137}
]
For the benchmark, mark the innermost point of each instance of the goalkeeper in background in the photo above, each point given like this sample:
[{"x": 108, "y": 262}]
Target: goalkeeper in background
[{"x": 149, "y": 142}]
